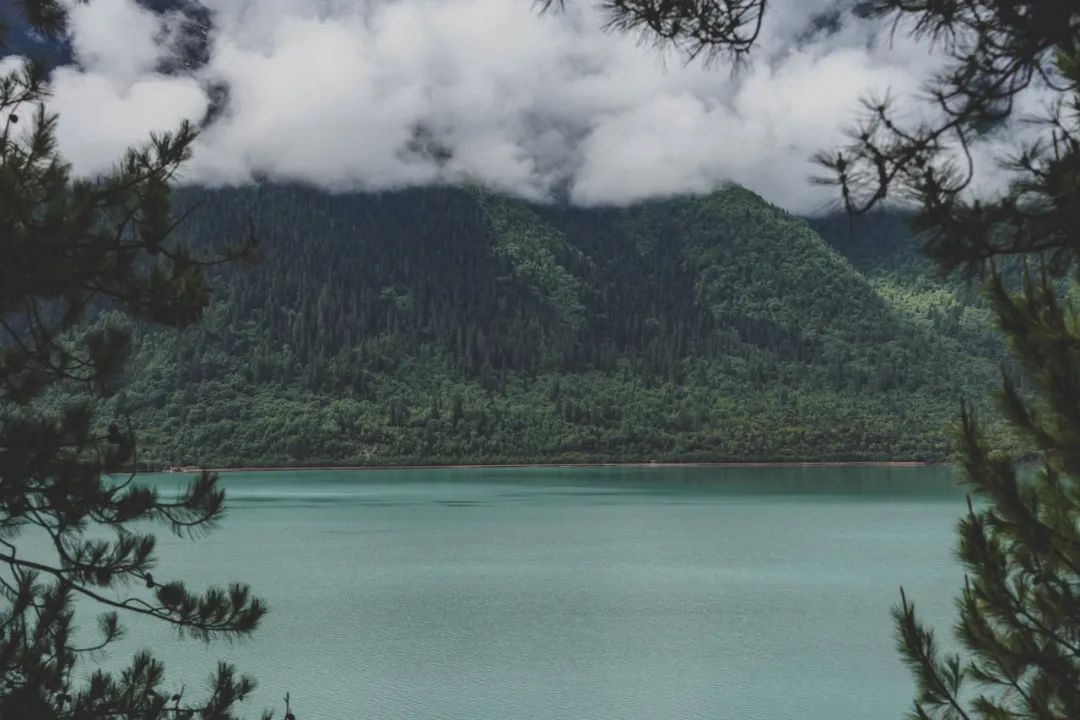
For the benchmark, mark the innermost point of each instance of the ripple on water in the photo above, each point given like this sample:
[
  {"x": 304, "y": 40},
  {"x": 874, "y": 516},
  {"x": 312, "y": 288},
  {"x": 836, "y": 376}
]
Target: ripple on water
[{"x": 559, "y": 596}]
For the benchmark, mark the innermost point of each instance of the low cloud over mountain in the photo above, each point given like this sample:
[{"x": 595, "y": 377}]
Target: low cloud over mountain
[{"x": 374, "y": 94}]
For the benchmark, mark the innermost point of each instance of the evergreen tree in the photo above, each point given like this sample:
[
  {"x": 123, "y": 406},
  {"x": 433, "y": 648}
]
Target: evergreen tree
[
  {"x": 1019, "y": 611},
  {"x": 713, "y": 29},
  {"x": 67, "y": 245}
]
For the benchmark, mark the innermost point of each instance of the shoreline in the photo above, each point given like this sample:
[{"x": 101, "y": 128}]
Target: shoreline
[{"x": 482, "y": 466}]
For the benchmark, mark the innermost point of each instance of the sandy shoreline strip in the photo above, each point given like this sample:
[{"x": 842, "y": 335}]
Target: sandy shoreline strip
[{"x": 555, "y": 466}]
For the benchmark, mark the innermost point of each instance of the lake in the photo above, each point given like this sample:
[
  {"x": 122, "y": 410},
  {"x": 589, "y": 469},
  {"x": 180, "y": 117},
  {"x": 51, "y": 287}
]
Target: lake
[{"x": 573, "y": 594}]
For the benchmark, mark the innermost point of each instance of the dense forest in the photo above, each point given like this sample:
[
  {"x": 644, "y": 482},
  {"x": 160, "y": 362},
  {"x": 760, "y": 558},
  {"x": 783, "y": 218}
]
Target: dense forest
[{"x": 456, "y": 325}]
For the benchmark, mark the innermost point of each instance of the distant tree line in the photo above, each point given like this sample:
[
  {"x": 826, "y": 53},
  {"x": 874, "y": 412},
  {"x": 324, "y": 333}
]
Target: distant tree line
[{"x": 445, "y": 325}]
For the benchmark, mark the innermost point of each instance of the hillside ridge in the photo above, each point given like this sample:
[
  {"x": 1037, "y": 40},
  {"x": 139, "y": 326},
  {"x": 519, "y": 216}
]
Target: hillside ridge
[{"x": 445, "y": 325}]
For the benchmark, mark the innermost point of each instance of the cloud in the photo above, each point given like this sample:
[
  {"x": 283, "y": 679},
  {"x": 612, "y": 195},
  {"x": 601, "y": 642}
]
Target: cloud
[
  {"x": 377, "y": 94},
  {"x": 100, "y": 48},
  {"x": 100, "y": 118}
]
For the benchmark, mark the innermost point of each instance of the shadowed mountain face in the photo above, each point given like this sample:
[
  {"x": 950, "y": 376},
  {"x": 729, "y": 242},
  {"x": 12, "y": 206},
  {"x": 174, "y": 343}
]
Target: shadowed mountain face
[{"x": 443, "y": 325}]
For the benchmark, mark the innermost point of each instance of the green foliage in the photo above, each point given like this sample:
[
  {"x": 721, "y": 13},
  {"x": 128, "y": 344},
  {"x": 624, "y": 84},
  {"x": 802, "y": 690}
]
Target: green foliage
[
  {"x": 1021, "y": 549},
  {"x": 67, "y": 246},
  {"x": 701, "y": 329},
  {"x": 1020, "y": 607},
  {"x": 1019, "y": 612},
  {"x": 533, "y": 250}
]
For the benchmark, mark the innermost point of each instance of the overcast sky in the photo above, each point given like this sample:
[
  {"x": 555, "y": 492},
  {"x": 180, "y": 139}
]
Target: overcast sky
[{"x": 374, "y": 94}]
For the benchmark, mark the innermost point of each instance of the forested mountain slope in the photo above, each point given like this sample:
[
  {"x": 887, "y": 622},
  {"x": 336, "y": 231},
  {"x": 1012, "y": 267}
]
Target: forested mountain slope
[{"x": 455, "y": 325}]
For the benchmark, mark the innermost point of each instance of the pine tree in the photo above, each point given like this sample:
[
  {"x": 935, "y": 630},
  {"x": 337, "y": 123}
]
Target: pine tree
[
  {"x": 1019, "y": 610},
  {"x": 1020, "y": 545},
  {"x": 68, "y": 245}
]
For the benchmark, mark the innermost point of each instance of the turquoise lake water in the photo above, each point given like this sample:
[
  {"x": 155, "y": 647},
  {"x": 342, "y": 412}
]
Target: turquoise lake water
[{"x": 573, "y": 594}]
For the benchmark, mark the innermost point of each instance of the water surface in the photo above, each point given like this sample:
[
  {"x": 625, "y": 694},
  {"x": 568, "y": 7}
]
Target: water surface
[{"x": 572, "y": 594}]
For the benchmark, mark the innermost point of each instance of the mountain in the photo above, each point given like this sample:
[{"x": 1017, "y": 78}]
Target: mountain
[{"x": 455, "y": 325}]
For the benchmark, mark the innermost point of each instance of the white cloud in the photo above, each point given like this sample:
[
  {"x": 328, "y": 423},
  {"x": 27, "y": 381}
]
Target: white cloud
[
  {"x": 117, "y": 38},
  {"x": 100, "y": 118},
  {"x": 373, "y": 94}
]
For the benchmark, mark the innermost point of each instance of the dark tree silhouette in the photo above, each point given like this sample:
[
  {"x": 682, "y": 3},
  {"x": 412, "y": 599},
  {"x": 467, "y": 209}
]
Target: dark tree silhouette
[
  {"x": 1019, "y": 610},
  {"x": 712, "y": 29},
  {"x": 67, "y": 245}
]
